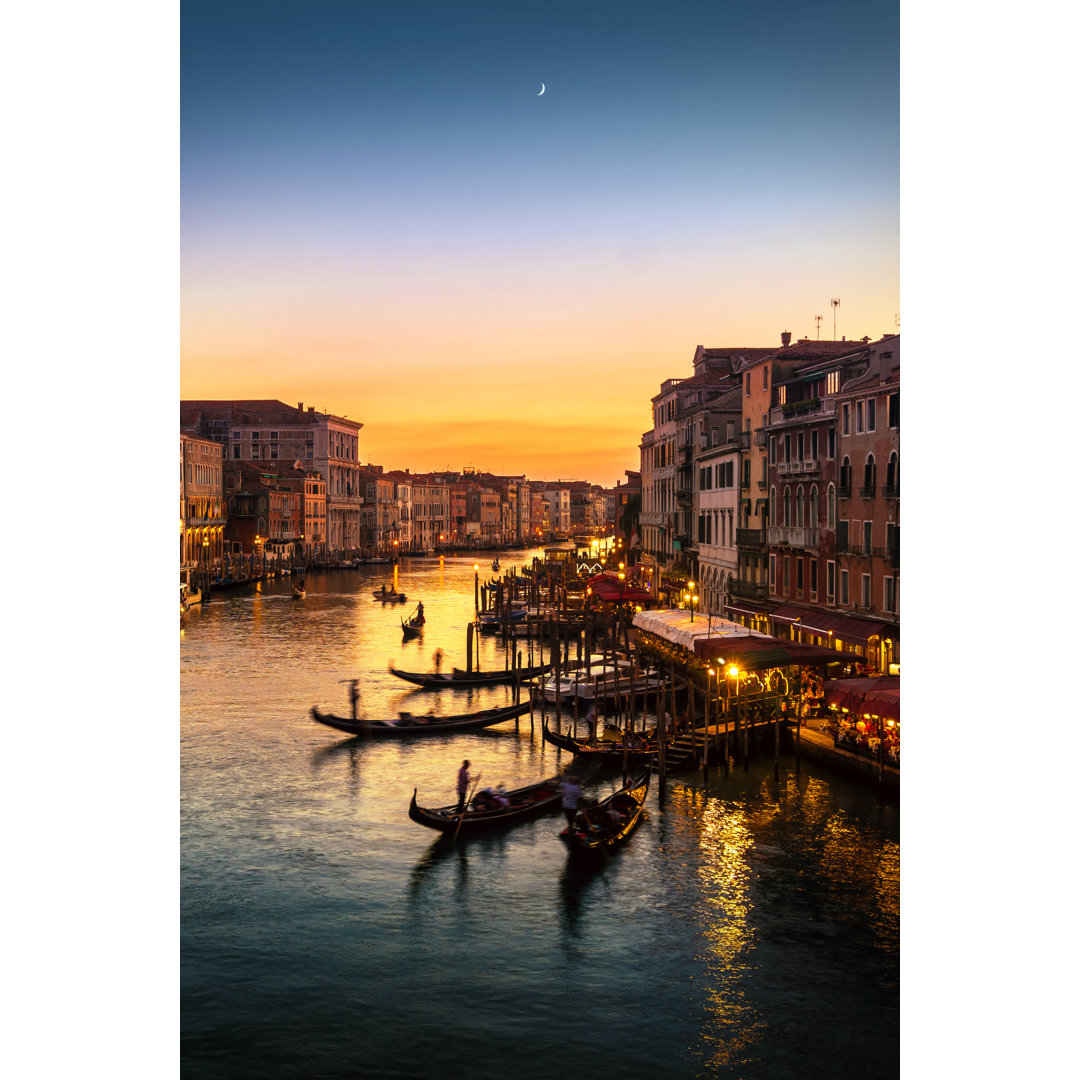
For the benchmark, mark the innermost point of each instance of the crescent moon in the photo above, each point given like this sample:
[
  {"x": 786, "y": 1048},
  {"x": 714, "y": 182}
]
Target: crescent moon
[{"x": 541, "y": 89}]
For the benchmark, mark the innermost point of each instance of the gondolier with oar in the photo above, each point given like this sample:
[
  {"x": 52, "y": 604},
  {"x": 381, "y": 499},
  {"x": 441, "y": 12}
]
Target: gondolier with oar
[
  {"x": 463, "y": 784},
  {"x": 354, "y": 695}
]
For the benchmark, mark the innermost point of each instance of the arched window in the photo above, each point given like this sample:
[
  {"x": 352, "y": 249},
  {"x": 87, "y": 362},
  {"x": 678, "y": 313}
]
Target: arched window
[
  {"x": 830, "y": 498},
  {"x": 869, "y": 470},
  {"x": 845, "y": 474},
  {"x": 813, "y": 508},
  {"x": 800, "y": 515},
  {"x": 787, "y": 507},
  {"x": 892, "y": 473},
  {"x": 772, "y": 506}
]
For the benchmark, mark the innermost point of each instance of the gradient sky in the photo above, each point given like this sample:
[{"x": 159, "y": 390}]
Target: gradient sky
[{"x": 380, "y": 216}]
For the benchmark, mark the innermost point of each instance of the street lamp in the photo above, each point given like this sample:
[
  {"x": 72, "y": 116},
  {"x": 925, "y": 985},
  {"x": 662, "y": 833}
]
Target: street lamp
[
  {"x": 693, "y": 597},
  {"x": 476, "y": 586}
]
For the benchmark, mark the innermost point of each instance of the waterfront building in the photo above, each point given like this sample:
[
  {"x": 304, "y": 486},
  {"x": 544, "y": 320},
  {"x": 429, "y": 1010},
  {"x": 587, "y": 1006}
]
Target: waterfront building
[
  {"x": 668, "y": 516},
  {"x": 833, "y": 526},
  {"x": 269, "y": 431},
  {"x": 715, "y": 477},
  {"x": 430, "y": 512},
  {"x": 202, "y": 503},
  {"x": 759, "y": 374},
  {"x": 621, "y": 500},
  {"x": 557, "y": 510}
]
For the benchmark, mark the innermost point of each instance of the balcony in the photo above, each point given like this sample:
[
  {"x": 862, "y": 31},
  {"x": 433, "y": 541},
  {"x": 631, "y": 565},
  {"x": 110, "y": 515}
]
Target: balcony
[
  {"x": 891, "y": 491},
  {"x": 748, "y": 590},
  {"x": 761, "y": 439},
  {"x": 795, "y": 412},
  {"x": 867, "y": 491},
  {"x": 749, "y": 537},
  {"x": 744, "y": 440},
  {"x": 793, "y": 536},
  {"x": 684, "y": 496},
  {"x": 843, "y": 491},
  {"x": 798, "y": 468}
]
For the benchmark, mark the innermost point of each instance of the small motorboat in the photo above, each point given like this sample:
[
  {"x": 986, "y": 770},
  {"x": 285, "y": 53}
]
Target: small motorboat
[
  {"x": 389, "y": 596},
  {"x": 299, "y": 590}
]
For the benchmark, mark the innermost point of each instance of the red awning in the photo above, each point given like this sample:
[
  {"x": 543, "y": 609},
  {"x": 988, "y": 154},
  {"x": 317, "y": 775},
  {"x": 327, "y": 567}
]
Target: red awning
[
  {"x": 879, "y": 696},
  {"x": 605, "y": 587},
  {"x": 821, "y": 622}
]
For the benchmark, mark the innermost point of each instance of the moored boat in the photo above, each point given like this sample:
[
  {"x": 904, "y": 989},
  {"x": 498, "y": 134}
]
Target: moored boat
[
  {"x": 408, "y": 724},
  {"x": 613, "y": 745},
  {"x": 438, "y": 679},
  {"x": 610, "y": 822}
]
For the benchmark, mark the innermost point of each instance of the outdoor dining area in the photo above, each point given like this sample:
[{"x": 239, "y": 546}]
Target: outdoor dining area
[{"x": 863, "y": 716}]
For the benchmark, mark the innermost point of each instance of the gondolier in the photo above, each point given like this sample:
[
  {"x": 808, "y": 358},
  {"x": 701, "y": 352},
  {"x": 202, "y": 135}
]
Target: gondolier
[
  {"x": 571, "y": 795},
  {"x": 462, "y": 784}
]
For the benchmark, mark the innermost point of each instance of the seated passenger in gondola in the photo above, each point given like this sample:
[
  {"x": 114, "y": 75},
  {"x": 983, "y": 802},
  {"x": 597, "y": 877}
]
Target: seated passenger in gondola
[{"x": 499, "y": 795}]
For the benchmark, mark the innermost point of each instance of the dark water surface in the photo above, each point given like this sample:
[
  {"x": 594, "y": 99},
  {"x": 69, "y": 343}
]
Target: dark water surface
[{"x": 750, "y": 929}]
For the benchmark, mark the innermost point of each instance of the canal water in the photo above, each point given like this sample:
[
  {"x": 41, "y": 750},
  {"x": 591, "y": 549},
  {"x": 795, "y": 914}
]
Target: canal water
[{"x": 750, "y": 928}]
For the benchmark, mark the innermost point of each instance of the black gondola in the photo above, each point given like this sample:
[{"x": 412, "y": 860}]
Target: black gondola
[
  {"x": 437, "y": 680},
  {"x": 608, "y": 824},
  {"x": 408, "y": 724},
  {"x": 412, "y": 626},
  {"x": 636, "y": 750}
]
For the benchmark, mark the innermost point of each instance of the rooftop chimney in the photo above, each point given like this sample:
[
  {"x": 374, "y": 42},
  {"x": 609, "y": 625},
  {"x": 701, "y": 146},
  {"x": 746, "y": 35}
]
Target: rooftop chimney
[
  {"x": 785, "y": 338},
  {"x": 299, "y": 406}
]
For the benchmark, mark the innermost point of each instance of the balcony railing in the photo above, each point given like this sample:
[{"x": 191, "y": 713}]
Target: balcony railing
[
  {"x": 798, "y": 468},
  {"x": 748, "y": 590},
  {"x": 843, "y": 491},
  {"x": 867, "y": 491},
  {"x": 891, "y": 491},
  {"x": 793, "y": 536},
  {"x": 750, "y": 537}
]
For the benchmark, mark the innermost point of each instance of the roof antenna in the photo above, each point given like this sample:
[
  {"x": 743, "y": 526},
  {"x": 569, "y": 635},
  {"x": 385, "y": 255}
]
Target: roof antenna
[
  {"x": 818, "y": 317},
  {"x": 835, "y": 304}
]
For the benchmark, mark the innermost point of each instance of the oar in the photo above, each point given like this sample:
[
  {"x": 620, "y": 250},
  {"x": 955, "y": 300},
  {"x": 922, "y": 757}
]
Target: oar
[{"x": 468, "y": 799}]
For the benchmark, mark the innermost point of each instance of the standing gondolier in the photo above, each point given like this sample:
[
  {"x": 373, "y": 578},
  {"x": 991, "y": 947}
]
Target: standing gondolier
[
  {"x": 462, "y": 784},
  {"x": 571, "y": 795},
  {"x": 354, "y": 695}
]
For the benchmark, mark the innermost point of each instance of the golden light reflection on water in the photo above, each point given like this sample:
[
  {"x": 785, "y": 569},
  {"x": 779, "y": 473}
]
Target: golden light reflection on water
[{"x": 794, "y": 834}]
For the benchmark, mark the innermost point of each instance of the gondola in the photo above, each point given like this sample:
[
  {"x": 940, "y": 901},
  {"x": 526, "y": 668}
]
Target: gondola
[
  {"x": 483, "y": 813},
  {"x": 412, "y": 626},
  {"x": 479, "y": 814},
  {"x": 638, "y": 751},
  {"x": 438, "y": 679},
  {"x": 608, "y": 824},
  {"x": 408, "y": 724}
]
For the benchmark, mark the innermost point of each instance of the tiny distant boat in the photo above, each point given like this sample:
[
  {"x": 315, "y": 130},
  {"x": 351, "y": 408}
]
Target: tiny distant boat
[
  {"x": 608, "y": 824},
  {"x": 299, "y": 590},
  {"x": 412, "y": 626},
  {"x": 437, "y": 680},
  {"x": 495, "y": 564},
  {"x": 389, "y": 596},
  {"x": 408, "y": 724}
]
